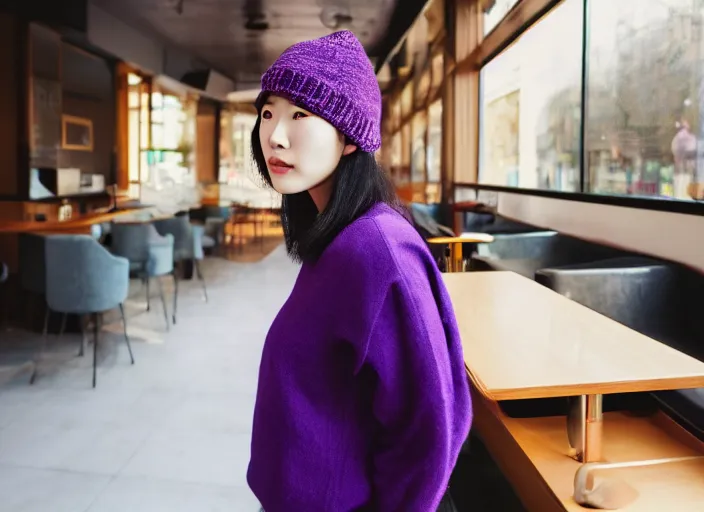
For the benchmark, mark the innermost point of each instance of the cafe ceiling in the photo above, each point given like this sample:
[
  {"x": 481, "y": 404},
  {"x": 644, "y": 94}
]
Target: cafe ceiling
[{"x": 241, "y": 38}]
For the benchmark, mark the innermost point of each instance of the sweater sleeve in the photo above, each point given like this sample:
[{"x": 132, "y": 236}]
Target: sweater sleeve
[{"x": 420, "y": 400}]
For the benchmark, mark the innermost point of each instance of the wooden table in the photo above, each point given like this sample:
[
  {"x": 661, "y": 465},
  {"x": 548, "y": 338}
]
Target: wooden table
[
  {"x": 522, "y": 340},
  {"x": 455, "y": 261}
]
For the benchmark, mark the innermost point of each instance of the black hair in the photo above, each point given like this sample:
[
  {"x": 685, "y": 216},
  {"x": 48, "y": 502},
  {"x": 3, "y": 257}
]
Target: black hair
[{"x": 359, "y": 183}]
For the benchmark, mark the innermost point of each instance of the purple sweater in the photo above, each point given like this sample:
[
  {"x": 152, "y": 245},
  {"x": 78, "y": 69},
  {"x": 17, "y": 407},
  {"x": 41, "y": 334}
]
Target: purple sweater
[{"x": 363, "y": 400}]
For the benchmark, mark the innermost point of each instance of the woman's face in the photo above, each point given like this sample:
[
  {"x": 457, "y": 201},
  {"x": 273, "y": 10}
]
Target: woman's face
[{"x": 301, "y": 149}]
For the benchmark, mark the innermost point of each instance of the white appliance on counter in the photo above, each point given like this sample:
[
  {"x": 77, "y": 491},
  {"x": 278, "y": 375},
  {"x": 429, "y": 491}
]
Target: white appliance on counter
[{"x": 68, "y": 181}]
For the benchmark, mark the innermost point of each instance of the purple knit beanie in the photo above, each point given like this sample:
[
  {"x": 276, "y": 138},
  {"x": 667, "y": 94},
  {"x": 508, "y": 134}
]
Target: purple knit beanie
[{"x": 333, "y": 78}]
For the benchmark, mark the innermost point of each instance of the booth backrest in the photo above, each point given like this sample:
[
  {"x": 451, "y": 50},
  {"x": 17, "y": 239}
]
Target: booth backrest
[{"x": 526, "y": 253}]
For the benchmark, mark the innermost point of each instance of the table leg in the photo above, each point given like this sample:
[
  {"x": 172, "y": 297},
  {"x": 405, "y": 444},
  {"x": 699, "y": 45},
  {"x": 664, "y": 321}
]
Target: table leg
[
  {"x": 585, "y": 427},
  {"x": 454, "y": 262}
]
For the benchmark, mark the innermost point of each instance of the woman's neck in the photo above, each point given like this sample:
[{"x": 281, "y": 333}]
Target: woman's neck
[{"x": 320, "y": 194}]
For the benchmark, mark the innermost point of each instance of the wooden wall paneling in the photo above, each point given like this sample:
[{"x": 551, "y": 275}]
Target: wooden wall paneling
[
  {"x": 464, "y": 19},
  {"x": 468, "y": 33},
  {"x": 122, "y": 127},
  {"x": 9, "y": 106},
  {"x": 10, "y": 211},
  {"x": 522, "y": 15},
  {"x": 205, "y": 142}
]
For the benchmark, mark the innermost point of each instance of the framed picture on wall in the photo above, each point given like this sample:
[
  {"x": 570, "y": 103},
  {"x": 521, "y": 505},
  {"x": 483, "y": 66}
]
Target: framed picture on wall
[{"x": 76, "y": 133}]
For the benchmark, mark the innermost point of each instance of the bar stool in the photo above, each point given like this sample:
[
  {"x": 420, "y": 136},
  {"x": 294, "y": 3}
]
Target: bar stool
[{"x": 454, "y": 261}]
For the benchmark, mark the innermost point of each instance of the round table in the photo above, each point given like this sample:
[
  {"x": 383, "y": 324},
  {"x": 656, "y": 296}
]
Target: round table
[{"x": 454, "y": 262}]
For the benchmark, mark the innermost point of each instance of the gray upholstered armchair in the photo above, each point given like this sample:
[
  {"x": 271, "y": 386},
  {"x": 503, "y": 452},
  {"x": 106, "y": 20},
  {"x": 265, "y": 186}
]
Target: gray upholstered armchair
[
  {"x": 150, "y": 255},
  {"x": 188, "y": 242},
  {"x": 83, "y": 278}
]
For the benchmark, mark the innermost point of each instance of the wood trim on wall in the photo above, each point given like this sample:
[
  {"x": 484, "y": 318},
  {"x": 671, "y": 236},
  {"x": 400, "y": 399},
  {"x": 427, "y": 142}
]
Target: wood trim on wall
[
  {"x": 518, "y": 19},
  {"x": 122, "y": 176},
  {"x": 10, "y": 109},
  {"x": 206, "y": 143},
  {"x": 464, "y": 102},
  {"x": 24, "y": 119}
]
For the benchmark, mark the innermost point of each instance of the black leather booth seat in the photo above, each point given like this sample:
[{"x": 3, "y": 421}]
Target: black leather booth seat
[
  {"x": 525, "y": 253},
  {"x": 660, "y": 299}
]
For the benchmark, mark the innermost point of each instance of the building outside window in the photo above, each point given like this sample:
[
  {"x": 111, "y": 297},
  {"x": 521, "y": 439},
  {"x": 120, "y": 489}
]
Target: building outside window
[
  {"x": 645, "y": 98},
  {"x": 642, "y": 130}
]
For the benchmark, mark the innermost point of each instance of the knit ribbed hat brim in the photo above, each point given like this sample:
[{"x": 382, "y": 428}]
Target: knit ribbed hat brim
[{"x": 333, "y": 78}]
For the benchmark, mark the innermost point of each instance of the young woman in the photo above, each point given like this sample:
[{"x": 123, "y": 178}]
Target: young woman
[{"x": 363, "y": 401}]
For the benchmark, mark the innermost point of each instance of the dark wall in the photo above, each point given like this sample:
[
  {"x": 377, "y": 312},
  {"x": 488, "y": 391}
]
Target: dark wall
[
  {"x": 10, "y": 108},
  {"x": 88, "y": 92},
  {"x": 70, "y": 14}
]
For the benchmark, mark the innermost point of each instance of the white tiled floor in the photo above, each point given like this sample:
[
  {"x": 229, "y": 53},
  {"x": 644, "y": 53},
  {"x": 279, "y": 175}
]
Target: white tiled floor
[{"x": 170, "y": 433}]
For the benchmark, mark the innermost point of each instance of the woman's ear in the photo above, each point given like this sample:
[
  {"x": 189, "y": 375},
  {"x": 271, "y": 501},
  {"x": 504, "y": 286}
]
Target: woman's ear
[{"x": 349, "y": 149}]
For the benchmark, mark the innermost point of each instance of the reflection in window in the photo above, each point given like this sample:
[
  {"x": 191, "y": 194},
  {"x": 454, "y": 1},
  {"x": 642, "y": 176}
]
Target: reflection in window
[
  {"x": 396, "y": 153},
  {"x": 236, "y": 164},
  {"x": 423, "y": 89},
  {"x": 645, "y": 98},
  {"x": 496, "y": 13},
  {"x": 434, "y": 152},
  {"x": 438, "y": 74},
  {"x": 530, "y": 106},
  {"x": 420, "y": 124}
]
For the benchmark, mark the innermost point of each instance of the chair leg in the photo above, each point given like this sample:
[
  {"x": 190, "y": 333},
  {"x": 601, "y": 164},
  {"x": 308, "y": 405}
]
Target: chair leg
[
  {"x": 163, "y": 301},
  {"x": 63, "y": 324},
  {"x": 201, "y": 278},
  {"x": 148, "y": 303},
  {"x": 124, "y": 326},
  {"x": 96, "y": 333},
  {"x": 175, "y": 295},
  {"x": 84, "y": 323},
  {"x": 42, "y": 346}
]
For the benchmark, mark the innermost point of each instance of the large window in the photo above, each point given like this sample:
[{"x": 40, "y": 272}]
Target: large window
[
  {"x": 161, "y": 136},
  {"x": 530, "y": 106},
  {"x": 412, "y": 128},
  {"x": 236, "y": 161},
  {"x": 640, "y": 131},
  {"x": 645, "y": 98}
]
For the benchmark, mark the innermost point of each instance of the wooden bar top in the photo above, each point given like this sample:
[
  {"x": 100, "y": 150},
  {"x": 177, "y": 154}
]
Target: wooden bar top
[
  {"x": 522, "y": 340},
  {"x": 77, "y": 223}
]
